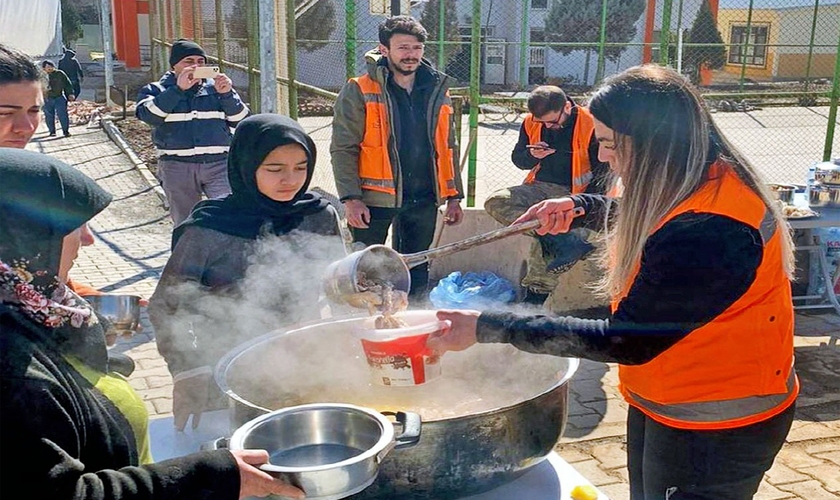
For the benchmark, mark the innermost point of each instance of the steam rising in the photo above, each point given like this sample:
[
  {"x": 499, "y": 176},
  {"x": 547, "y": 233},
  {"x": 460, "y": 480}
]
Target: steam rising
[{"x": 324, "y": 363}]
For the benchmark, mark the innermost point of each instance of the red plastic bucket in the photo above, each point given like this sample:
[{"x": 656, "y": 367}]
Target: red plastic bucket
[{"x": 398, "y": 356}]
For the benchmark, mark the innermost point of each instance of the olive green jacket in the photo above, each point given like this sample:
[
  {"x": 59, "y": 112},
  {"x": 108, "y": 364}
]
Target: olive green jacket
[{"x": 349, "y": 129}]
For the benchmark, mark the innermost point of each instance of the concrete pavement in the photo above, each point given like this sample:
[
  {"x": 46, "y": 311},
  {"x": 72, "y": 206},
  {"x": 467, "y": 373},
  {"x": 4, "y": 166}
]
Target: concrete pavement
[{"x": 132, "y": 246}]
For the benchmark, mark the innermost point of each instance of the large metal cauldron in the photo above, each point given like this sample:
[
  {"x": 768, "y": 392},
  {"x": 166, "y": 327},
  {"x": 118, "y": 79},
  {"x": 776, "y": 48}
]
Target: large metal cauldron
[{"x": 494, "y": 413}]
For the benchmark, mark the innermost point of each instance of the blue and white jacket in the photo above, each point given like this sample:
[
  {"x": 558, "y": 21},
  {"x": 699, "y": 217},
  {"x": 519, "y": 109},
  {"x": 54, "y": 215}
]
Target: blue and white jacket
[{"x": 192, "y": 125}]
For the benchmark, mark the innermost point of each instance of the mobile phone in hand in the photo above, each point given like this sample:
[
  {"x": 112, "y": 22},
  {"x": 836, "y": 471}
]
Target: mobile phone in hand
[{"x": 206, "y": 72}]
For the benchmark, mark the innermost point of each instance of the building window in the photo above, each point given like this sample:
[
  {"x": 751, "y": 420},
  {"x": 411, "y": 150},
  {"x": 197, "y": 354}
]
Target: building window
[
  {"x": 539, "y": 4},
  {"x": 756, "y": 49}
]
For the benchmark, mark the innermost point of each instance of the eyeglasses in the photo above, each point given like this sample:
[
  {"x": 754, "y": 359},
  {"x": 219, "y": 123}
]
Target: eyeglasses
[{"x": 556, "y": 121}]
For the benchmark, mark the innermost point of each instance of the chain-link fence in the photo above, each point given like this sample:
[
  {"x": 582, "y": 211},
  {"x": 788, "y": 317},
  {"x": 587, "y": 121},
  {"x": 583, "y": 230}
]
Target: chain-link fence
[{"x": 768, "y": 68}]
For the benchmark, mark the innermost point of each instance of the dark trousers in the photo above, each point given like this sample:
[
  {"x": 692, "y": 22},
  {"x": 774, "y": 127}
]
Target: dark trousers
[
  {"x": 56, "y": 106},
  {"x": 676, "y": 464},
  {"x": 414, "y": 230}
]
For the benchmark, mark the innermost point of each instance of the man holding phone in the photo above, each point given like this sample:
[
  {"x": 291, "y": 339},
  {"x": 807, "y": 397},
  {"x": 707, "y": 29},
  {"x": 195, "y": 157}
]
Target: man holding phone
[
  {"x": 558, "y": 148},
  {"x": 192, "y": 110}
]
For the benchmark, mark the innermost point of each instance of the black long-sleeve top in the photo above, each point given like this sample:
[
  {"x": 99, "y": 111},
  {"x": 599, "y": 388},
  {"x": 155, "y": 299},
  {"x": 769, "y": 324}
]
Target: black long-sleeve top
[
  {"x": 692, "y": 269},
  {"x": 557, "y": 168}
]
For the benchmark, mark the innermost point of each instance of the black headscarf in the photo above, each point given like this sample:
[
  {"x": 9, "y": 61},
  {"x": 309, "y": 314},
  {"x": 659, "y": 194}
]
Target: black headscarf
[
  {"x": 42, "y": 200},
  {"x": 247, "y": 212}
]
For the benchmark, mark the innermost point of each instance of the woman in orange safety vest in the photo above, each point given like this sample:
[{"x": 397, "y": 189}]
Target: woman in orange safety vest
[{"x": 698, "y": 265}]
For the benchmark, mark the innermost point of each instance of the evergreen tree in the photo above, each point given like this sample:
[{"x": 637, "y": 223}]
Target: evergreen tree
[
  {"x": 71, "y": 22},
  {"x": 580, "y": 21},
  {"x": 430, "y": 19},
  {"x": 704, "y": 30}
]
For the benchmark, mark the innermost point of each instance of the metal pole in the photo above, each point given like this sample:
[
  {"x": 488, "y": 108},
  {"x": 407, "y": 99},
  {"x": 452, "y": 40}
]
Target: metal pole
[
  {"x": 105, "y": 21},
  {"x": 220, "y": 35},
  {"x": 665, "y": 33},
  {"x": 475, "y": 97},
  {"x": 599, "y": 71},
  {"x": 679, "y": 37},
  {"x": 811, "y": 45},
  {"x": 744, "y": 48},
  {"x": 254, "y": 89},
  {"x": 441, "y": 58},
  {"x": 395, "y": 7},
  {"x": 291, "y": 55},
  {"x": 525, "y": 45},
  {"x": 268, "y": 61},
  {"x": 832, "y": 111},
  {"x": 350, "y": 39}
]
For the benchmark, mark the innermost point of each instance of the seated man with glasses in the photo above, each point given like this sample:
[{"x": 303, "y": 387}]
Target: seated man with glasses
[{"x": 557, "y": 145}]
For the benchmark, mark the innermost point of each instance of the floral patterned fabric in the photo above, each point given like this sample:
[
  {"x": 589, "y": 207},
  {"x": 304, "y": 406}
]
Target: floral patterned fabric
[{"x": 61, "y": 308}]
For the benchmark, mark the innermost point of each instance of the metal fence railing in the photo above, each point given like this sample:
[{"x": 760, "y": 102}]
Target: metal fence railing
[{"x": 759, "y": 63}]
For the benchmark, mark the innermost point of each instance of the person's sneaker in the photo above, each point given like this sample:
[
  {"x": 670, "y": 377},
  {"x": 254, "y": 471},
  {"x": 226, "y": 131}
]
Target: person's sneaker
[
  {"x": 52, "y": 134},
  {"x": 67, "y": 134}
]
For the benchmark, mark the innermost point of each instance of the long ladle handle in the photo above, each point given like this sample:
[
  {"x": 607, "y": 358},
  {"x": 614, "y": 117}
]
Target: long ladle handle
[{"x": 415, "y": 259}]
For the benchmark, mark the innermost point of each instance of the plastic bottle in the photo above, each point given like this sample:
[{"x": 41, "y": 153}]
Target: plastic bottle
[{"x": 810, "y": 180}]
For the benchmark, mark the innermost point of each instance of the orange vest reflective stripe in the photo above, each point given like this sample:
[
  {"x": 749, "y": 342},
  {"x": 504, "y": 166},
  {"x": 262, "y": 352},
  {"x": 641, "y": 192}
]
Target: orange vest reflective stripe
[
  {"x": 738, "y": 368},
  {"x": 581, "y": 137},
  {"x": 375, "y": 171}
]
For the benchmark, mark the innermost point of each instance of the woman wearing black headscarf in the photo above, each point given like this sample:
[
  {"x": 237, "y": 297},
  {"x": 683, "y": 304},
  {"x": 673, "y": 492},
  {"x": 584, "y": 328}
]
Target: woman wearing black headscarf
[
  {"x": 70, "y": 428},
  {"x": 240, "y": 265}
]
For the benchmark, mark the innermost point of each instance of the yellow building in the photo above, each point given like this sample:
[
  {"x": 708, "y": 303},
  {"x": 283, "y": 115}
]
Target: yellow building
[{"x": 778, "y": 39}]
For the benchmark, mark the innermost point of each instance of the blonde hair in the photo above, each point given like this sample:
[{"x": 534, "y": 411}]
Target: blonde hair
[{"x": 667, "y": 141}]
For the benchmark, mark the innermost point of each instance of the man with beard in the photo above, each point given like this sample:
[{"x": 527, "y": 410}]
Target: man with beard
[{"x": 394, "y": 151}]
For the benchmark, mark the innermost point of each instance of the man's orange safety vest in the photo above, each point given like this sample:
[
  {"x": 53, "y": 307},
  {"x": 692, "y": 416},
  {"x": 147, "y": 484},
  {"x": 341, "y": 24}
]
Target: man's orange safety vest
[
  {"x": 738, "y": 368},
  {"x": 375, "y": 171},
  {"x": 581, "y": 137}
]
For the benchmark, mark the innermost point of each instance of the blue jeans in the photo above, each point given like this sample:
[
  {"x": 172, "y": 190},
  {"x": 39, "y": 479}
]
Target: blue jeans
[{"x": 56, "y": 106}]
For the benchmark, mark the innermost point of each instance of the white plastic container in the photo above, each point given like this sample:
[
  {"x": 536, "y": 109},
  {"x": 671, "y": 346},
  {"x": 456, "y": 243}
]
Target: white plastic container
[{"x": 398, "y": 356}]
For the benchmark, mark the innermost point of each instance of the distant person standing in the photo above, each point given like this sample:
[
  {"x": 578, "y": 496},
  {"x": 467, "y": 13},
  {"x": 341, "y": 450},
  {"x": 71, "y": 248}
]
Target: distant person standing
[
  {"x": 73, "y": 69},
  {"x": 59, "y": 92},
  {"x": 191, "y": 121},
  {"x": 394, "y": 152}
]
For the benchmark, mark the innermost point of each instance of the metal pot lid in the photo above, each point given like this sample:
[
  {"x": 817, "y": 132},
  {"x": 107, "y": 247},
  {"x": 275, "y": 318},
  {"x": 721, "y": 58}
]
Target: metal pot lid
[{"x": 827, "y": 166}]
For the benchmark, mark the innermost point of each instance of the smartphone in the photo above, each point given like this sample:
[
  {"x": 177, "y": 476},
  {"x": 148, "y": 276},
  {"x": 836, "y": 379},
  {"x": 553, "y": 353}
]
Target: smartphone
[{"x": 206, "y": 72}]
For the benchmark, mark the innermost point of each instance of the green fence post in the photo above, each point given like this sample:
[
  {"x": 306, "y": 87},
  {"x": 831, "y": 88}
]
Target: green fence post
[
  {"x": 254, "y": 90},
  {"x": 832, "y": 111},
  {"x": 524, "y": 58},
  {"x": 291, "y": 55},
  {"x": 475, "y": 97},
  {"x": 220, "y": 35},
  {"x": 599, "y": 71},
  {"x": 164, "y": 37},
  {"x": 665, "y": 33},
  {"x": 350, "y": 39},
  {"x": 441, "y": 59},
  {"x": 811, "y": 45},
  {"x": 196, "y": 16},
  {"x": 744, "y": 48},
  {"x": 177, "y": 21}
]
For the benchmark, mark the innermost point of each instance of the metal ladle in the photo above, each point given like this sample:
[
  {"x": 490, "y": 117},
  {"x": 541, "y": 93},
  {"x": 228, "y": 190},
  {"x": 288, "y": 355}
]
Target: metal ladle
[{"x": 382, "y": 264}]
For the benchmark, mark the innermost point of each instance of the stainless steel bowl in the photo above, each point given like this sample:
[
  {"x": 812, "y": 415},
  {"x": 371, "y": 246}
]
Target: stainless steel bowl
[
  {"x": 824, "y": 196},
  {"x": 123, "y": 311},
  {"x": 783, "y": 192},
  {"x": 330, "y": 451},
  {"x": 827, "y": 173}
]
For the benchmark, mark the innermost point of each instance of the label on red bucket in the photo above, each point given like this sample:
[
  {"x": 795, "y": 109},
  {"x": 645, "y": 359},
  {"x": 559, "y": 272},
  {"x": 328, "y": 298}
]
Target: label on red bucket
[{"x": 401, "y": 361}]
